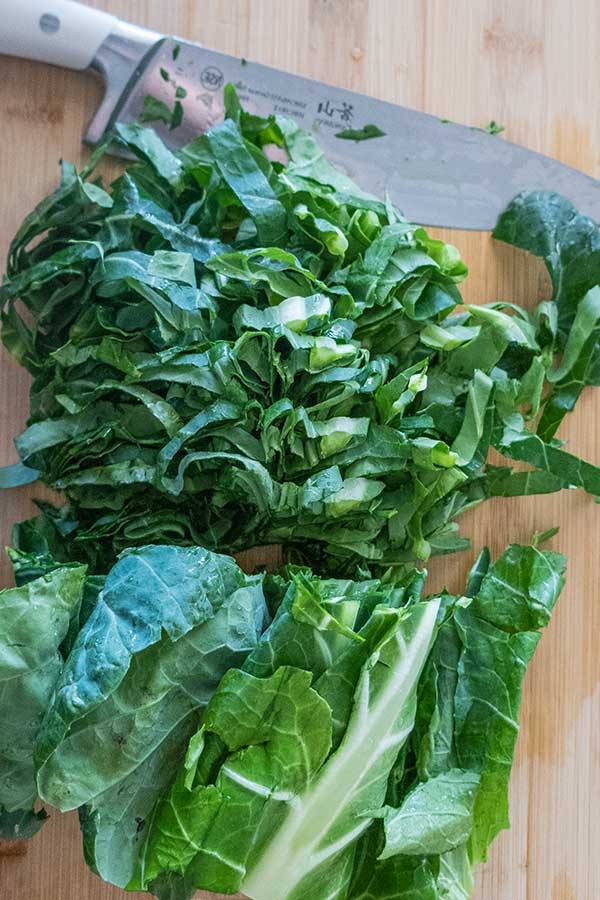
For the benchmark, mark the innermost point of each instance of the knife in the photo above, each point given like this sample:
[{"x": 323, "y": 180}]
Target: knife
[{"x": 436, "y": 172}]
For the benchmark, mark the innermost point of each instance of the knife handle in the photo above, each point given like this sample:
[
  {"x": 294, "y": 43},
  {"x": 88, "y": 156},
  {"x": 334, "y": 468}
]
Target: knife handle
[{"x": 53, "y": 31}]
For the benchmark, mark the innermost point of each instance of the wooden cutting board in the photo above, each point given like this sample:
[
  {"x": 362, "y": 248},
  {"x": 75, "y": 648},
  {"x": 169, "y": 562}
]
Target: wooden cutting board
[{"x": 535, "y": 68}]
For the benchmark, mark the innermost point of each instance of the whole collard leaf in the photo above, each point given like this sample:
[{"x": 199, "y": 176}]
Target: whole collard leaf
[
  {"x": 34, "y": 620},
  {"x": 167, "y": 625},
  {"x": 463, "y": 744},
  {"x": 281, "y": 715},
  {"x": 313, "y": 844},
  {"x": 250, "y": 812},
  {"x": 499, "y": 632}
]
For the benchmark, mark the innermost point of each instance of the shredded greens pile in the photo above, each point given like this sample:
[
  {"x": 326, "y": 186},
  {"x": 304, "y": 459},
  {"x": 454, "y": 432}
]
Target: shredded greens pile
[
  {"x": 229, "y": 352},
  {"x": 232, "y": 353}
]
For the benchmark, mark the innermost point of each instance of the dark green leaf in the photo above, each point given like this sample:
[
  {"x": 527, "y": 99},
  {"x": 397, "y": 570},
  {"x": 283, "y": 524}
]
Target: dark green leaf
[{"x": 366, "y": 133}]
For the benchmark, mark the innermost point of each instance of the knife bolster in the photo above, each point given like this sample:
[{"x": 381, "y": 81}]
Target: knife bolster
[{"x": 118, "y": 61}]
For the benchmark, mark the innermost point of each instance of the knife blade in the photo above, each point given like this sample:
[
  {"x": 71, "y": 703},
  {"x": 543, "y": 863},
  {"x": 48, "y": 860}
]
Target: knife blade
[{"x": 436, "y": 172}]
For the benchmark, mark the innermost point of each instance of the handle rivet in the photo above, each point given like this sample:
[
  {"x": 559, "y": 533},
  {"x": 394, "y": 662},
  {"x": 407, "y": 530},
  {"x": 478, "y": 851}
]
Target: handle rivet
[{"x": 49, "y": 23}]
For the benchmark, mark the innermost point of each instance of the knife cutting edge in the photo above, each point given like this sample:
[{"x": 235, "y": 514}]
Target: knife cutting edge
[{"x": 436, "y": 172}]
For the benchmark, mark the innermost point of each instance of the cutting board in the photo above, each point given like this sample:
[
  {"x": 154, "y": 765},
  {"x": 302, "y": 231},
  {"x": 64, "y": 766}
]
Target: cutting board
[{"x": 535, "y": 68}]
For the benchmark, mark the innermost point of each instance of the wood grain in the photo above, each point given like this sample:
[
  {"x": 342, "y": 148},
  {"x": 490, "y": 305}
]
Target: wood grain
[{"x": 535, "y": 68}]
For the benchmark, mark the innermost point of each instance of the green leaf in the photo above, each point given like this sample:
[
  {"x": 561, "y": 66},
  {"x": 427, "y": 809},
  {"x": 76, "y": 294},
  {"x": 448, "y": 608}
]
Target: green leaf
[
  {"x": 166, "y": 626},
  {"x": 519, "y": 444},
  {"x": 467, "y": 721},
  {"x": 549, "y": 226},
  {"x": 579, "y": 365},
  {"x": 34, "y": 621},
  {"x": 586, "y": 319},
  {"x": 499, "y": 632},
  {"x": 282, "y": 712},
  {"x": 277, "y": 807},
  {"x": 435, "y": 817},
  {"x": 155, "y": 110},
  {"x": 16, "y": 475},
  {"x": 307, "y": 161},
  {"x": 149, "y": 145},
  {"x": 455, "y": 879},
  {"x": 20, "y": 824},
  {"x": 399, "y": 878},
  {"x": 471, "y": 431},
  {"x": 178, "y": 266},
  {"x": 494, "y": 128},
  {"x": 366, "y": 133},
  {"x": 299, "y": 314},
  {"x": 248, "y": 182}
]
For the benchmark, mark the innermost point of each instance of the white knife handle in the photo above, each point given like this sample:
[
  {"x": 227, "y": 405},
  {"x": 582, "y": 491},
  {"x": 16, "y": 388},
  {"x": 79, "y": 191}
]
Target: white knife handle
[{"x": 53, "y": 31}]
